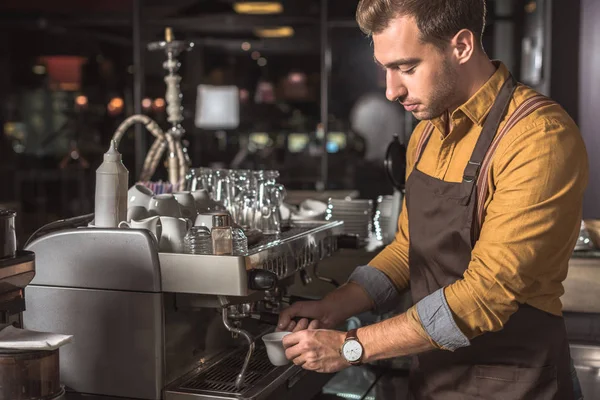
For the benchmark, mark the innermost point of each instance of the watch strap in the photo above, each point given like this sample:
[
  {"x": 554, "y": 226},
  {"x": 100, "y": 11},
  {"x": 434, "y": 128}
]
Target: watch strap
[{"x": 352, "y": 334}]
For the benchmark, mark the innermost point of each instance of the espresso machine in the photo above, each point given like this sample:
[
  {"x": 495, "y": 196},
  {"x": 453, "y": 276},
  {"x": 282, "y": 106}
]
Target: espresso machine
[{"x": 153, "y": 325}]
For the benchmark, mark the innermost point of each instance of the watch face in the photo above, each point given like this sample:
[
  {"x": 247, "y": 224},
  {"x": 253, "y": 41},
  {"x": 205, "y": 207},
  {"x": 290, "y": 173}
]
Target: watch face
[{"x": 352, "y": 350}]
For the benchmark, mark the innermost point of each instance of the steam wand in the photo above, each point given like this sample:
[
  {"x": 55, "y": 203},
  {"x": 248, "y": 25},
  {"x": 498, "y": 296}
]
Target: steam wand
[{"x": 239, "y": 381}]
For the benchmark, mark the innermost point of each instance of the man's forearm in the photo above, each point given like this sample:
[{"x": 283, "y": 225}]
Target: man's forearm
[
  {"x": 346, "y": 301},
  {"x": 394, "y": 337},
  {"x": 378, "y": 286}
]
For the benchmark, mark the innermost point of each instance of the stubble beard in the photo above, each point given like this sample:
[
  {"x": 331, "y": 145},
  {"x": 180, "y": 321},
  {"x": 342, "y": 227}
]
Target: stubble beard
[{"x": 443, "y": 95}]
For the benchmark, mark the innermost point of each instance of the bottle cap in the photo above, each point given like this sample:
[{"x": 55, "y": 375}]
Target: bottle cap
[
  {"x": 113, "y": 154},
  {"x": 221, "y": 220}
]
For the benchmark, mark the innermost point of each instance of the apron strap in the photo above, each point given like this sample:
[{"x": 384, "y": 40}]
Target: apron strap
[
  {"x": 526, "y": 108},
  {"x": 490, "y": 128}
]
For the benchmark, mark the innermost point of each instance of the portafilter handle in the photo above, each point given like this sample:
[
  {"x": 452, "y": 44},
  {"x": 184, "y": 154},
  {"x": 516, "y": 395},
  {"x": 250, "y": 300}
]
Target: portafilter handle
[{"x": 270, "y": 318}]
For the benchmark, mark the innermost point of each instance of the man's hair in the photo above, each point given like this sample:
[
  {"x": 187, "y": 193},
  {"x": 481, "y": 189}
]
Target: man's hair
[{"x": 438, "y": 20}]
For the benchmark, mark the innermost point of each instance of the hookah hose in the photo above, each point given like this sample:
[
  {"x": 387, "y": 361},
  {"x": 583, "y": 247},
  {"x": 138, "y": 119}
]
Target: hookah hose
[{"x": 177, "y": 166}]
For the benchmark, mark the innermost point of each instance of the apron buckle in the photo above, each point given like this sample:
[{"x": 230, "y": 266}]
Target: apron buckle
[{"x": 471, "y": 171}]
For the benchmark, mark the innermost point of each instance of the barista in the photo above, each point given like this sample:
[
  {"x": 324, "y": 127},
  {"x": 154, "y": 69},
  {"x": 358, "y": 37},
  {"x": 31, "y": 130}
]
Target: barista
[{"x": 496, "y": 175}]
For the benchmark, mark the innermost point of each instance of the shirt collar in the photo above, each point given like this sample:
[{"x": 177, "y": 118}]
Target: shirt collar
[{"x": 479, "y": 105}]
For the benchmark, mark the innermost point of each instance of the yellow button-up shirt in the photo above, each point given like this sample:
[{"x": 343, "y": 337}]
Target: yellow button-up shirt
[{"x": 532, "y": 211}]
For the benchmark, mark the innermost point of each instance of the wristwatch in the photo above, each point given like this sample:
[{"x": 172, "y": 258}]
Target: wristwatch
[{"x": 352, "y": 350}]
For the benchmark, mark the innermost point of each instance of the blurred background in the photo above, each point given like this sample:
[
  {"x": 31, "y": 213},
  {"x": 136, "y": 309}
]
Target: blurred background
[{"x": 307, "y": 99}]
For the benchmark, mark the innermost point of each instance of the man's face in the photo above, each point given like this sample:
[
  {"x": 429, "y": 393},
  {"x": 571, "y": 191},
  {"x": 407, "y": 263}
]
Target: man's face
[{"x": 418, "y": 75}]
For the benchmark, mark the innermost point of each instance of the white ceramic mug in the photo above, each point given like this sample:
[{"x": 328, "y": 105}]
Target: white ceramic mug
[
  {"x": 173, "y": 232},
  {"x": 137, "y": 213},
  {"x": 164, "y": 205},
  {"x": 187, "y": 204},
  {"x": 153, "y": 224},
  {"x": 275, "y": 350},
  {"x": 139, "y": 195}
]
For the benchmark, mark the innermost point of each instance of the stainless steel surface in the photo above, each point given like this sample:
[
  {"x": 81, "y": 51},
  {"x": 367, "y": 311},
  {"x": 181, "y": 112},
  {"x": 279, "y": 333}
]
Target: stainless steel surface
[
  {"x": 8, "y": 237},
  {"x": 216, "y": 379},
  {"x": 582, "y": 286},
  {"x": 295, "y": 250},
  {"x": 193, "y": 335},
  {"x": 116, "y": 333},
  {"x": 119, "y": 259},
  {"x": 587, "y": 363}
]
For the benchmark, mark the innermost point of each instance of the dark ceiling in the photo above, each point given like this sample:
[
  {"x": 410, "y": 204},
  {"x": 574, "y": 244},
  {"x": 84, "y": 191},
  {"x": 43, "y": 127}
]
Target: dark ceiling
[{"x": 212, "y": 22}]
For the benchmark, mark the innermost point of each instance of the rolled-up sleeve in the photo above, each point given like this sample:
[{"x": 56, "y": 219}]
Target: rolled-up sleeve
[
  {"x": 378, "y": 286},
  {"x": 529, "y": 231}
]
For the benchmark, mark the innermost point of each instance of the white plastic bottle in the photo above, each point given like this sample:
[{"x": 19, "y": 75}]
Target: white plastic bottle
[{"x": 112, "y": 179}]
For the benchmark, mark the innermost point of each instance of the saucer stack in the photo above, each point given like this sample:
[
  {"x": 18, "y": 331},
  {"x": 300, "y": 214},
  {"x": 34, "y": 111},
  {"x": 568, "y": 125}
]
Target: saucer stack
[{"x": 356, "y": 214}]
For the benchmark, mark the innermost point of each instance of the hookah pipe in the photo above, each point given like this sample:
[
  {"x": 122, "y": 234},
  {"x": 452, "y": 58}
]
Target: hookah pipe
[{"x": 178, "y": 159}]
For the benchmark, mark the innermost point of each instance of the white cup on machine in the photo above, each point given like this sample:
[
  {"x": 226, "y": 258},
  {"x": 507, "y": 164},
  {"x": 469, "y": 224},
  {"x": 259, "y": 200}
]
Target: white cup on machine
[
  {"x": 153, "y": 224},
  {"x": 165, "y": 205},
  {"x": 137, "y": 213},
  {"x": 187, "y": 204},
  {"x": 206, "y": 218},
  {"x": 139, "y": 195}
]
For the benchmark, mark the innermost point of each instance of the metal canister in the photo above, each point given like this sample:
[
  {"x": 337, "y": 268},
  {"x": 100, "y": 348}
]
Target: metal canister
[{"x": 8, "y": 236}]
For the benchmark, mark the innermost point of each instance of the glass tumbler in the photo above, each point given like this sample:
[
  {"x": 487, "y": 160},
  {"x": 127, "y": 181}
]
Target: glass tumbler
[{"x": 197, "y": 241}]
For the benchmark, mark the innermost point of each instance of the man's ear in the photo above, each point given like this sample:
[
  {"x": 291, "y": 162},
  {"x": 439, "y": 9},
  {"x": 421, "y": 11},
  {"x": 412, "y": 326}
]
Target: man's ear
[{"x": 463, "y": 45}]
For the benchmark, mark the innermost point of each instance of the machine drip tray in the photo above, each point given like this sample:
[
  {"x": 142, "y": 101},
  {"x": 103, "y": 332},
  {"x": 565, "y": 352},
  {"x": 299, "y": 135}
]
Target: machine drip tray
[
  {"x": 217, "y": 380},
  {"x": 220, "y": 377}
]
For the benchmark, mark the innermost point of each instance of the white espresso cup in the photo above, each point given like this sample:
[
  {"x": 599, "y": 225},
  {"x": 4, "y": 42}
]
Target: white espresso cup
[
  {"x": 206, "y": 218},
  {"x": 275, "y": 350},
  {"x": 139, "y": 195},
  {"x": 164, "y": 205},
  {"x": 187, "y": 204},
  {"x": 137, "y": 213}
]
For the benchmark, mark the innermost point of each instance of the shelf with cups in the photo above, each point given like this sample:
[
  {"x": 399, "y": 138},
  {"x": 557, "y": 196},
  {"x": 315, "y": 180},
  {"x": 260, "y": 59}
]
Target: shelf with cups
[
  {"x": 246, "y": 205},
  {"x": 251, "y": 199}
]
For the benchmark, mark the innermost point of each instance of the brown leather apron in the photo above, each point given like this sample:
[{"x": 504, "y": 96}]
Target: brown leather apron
[{"x": 529, "y": 358}]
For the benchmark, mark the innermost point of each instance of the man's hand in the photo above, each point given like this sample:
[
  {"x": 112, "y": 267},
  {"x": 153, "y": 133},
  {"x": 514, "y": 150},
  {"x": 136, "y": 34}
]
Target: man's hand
[
  {"x": 339, "y": 305},
  {"x": 315, "y": 313},
  {"x": 316, "y": 350}
]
